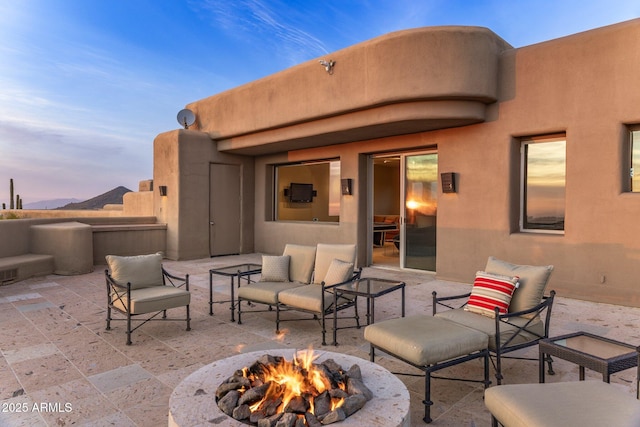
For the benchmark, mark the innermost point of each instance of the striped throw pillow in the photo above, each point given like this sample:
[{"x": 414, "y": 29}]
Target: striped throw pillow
[{"x": 490, "y": 291}]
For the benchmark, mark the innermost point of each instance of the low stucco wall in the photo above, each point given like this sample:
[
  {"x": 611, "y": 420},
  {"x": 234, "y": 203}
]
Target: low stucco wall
[
  {"x": 125, "y": 240},
  {"x": 108, "y": 236}
]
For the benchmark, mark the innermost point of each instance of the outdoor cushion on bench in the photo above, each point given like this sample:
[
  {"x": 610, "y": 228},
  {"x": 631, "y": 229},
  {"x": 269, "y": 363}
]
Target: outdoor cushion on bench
[
  {"x": 424, "y": 340},
  {"x": 577, "y": 403},
  {"x": 508, "y": 331},
  {"x": 430, "y": 344}
]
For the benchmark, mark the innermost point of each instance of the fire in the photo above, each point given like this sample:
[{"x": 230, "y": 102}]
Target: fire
[{"x": 299, "y": 379}]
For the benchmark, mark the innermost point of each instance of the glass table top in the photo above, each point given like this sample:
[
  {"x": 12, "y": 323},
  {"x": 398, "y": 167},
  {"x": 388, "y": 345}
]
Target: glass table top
[
  {"x": 235, "y": 269},
  {"x": 595, "y": 346},
  {"x": 370, "y": 286}
]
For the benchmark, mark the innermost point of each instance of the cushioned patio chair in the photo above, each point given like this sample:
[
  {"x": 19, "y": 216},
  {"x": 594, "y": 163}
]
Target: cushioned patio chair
[
  {"x": 334, "y": 265},
  {"x": 139, "y": 285},
  {"x": 522, "y": 323},
  {"x": 505, "y": 311}
]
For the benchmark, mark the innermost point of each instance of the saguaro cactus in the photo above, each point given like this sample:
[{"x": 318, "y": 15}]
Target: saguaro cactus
[{"x": 11, "y": 193}]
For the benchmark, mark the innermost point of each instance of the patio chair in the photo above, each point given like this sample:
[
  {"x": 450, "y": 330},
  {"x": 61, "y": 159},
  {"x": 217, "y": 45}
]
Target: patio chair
[
  {"x": 523, "y": 324},
  {"x": 334, "y": 265},
  {"x": 505, "y": 311},
  {"x": 139, "y": 285}
]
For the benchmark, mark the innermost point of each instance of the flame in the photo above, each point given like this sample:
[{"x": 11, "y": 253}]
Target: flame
[
  {"x": 292, "y": 379},
  {"x": 281, "y": 335}
]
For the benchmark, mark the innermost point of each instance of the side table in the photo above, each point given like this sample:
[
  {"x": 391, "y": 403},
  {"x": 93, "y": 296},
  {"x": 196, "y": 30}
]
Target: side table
[
  {"x": 240, "y": 270},
  {"x": 369, "y": 288},
  {"x": 591, "y": 351}
]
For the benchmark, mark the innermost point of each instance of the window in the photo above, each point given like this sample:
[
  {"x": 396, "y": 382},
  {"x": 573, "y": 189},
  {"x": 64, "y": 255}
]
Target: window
[
  {"x": 543, "y": 184},
  {"x": 308, "y": 191},
  {"x": 634, "y": 155}
]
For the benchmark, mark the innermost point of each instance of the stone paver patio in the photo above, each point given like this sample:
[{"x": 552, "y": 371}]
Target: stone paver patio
[{"x": 60, "y": 367}]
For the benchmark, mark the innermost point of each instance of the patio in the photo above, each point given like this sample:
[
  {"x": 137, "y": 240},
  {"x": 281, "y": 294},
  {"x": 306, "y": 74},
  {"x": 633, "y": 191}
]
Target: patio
[{"x": 57, "y": 356}]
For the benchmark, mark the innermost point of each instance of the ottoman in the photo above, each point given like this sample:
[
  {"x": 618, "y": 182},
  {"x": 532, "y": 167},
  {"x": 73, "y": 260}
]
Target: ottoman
[
  {"x": 430, "y": 344},
  {"x": 576, "y": 403}
]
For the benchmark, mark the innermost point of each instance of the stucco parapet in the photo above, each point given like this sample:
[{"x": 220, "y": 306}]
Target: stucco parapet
[{"x": 432, "y": 63}]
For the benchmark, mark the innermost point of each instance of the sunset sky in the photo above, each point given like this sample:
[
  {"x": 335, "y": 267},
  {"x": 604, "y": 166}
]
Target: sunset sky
[{"x": 86, "y": 85}]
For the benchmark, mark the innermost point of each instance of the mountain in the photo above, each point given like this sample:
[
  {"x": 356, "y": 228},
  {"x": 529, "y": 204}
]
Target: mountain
[
  {"x": 110, "y": 197},
  {"x": 49, "y": 204}
]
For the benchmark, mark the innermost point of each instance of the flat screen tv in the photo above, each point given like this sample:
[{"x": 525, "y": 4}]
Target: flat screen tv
[{"x": 301, "y": 193}]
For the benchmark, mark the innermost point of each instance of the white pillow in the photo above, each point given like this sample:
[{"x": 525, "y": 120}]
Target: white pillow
[
  {"x": 338, "y": 272},
  {"x": 275, "y": 268},
  {"x": 141, "y": 270}
]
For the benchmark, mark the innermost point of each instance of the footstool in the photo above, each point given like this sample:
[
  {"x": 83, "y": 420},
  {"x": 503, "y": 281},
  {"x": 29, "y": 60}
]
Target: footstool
[
  {"x": 577, "y": 403},
  {"x": 430, "y": 344}
]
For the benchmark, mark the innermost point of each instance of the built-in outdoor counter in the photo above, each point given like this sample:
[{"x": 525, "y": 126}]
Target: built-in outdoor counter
[{"x": 70, "y": 244}]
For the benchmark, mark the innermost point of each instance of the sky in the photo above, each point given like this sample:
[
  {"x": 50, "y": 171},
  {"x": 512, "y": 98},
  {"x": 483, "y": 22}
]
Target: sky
[{"x": 86, "y": 85}]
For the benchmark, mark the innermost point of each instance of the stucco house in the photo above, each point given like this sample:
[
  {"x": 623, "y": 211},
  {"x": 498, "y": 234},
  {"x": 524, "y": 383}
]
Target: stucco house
[{"x": 467, "y": 146}]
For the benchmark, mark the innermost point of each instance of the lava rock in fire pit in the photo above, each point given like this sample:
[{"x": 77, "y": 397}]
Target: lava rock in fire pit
[
  {"x": 273, "y": 392},
  {"x": 229, "y": 402}
]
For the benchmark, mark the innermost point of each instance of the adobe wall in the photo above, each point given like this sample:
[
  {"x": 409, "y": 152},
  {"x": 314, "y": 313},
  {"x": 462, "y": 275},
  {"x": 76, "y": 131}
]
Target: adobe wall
[
  {"x": 585, "y": 85},
  {"x": 181, "y": 162}
]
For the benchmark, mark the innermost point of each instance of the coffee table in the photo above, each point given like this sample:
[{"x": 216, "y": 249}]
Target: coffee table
[
  {"x": 369, "y": 288},
  {"x": 591, "y": 351},
  {"x": 245, "y": 270}
]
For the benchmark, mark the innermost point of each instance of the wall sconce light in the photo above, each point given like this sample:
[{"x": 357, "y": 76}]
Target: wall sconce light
[
  {"x": 346, "y": 185},
  {"x": 328, "y": 65},
  {"x": 163, "y": 190},
  {"x": 448, "y": 182}
]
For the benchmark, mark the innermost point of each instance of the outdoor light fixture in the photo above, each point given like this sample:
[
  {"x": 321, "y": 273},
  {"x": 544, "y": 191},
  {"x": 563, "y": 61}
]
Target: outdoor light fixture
[
  {"x": 346, "y": 185},
  {"x": 448, "y": 182},
  {"x": 328, "y": 65},
  {"x": 163, "y": 190}
]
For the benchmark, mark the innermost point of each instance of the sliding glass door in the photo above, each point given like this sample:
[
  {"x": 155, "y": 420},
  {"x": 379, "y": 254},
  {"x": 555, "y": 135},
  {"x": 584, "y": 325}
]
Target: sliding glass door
[{"x": 419, "y": 208}]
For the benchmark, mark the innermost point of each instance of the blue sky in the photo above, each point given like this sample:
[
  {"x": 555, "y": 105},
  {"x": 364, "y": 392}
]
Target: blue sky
[{"x": 86, "y": 85}]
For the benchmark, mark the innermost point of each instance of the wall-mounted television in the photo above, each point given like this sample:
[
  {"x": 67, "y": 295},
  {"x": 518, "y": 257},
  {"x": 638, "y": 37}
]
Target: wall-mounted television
[{"x": 301, "y": 193}]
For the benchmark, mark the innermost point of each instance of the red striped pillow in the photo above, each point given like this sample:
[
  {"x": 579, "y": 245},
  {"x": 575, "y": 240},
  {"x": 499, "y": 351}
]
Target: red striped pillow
[{"x": 490, "y": 291}]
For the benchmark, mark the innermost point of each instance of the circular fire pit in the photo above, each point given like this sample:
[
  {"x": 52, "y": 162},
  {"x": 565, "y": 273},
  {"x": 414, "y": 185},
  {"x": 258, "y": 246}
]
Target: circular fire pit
[{"x": 193, "y": 402}]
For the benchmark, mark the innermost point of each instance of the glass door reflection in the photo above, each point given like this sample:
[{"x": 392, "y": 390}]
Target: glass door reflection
[{"x": 420, "y": 206}]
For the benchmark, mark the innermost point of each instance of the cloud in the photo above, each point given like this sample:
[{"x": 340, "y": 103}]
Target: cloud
[{"x": 274, "y": 24}]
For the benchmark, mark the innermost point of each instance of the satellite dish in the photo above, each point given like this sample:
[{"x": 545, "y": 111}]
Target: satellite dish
[{"x": 186, "y": 118}]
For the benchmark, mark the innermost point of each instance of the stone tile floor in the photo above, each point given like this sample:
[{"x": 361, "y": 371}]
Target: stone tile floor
[{"x": 60, "y": 367}]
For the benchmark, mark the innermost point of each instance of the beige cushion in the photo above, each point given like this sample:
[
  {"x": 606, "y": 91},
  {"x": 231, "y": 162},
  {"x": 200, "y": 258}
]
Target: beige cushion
[
  {"x": 309, "y": 297},
  {"x": 141, "y": 270},
  {"x": 301, "y": 262},
  {"x": 565, "y": 404},
  {"x": 327, "y": 253},
  {"x": 490, "y": 291},
  {"x": 532, "y": 282},
  {"x": 487, "y": 325},
  {"x": 265, "y": 292},
  {"x": 338, "y": 272},
  {"x": 152, "y": 299},
  {"x": 275, "y": 268},
  {"x": 424, "y": 340}
]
